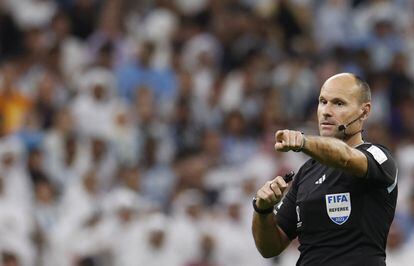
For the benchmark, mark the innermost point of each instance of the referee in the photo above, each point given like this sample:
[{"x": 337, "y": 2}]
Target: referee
[{"x": 342, "y": 200}]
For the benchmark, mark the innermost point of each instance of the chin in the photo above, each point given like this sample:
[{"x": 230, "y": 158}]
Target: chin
[{"x": 327, "y": 133}]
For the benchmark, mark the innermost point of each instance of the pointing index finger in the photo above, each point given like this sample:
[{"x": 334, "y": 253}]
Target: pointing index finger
[{"x": 279, "y": 134}]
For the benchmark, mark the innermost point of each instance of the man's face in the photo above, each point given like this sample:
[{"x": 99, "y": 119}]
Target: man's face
[{"x": 339, "y": 104}]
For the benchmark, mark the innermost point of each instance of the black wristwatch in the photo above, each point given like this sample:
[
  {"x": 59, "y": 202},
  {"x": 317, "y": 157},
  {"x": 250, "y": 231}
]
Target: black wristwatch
[{"x": 261, "y": 211}]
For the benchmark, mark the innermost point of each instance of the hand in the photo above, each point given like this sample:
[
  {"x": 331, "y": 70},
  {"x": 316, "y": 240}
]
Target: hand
[
  {"x": 271, "y": 193},
  {"x": 287, "y": 140}
]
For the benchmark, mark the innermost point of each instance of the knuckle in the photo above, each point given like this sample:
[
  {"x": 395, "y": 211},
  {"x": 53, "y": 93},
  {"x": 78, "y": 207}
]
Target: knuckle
[
  {"x": 278, "y": 193},
  {"x": 263, "y": 192},
  {"x": 264, "y": 197},
  {"x": 281, "y": 182},
  {"x": 260, "y": 195}
]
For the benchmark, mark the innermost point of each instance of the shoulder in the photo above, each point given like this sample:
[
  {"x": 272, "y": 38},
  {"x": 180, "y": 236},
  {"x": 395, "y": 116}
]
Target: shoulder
[
  {"x": 381, "y": 164},
  {"x": 378, "y": 152}
]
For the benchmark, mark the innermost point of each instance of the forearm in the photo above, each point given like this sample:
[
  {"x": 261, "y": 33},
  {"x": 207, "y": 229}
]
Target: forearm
[
  {"x": 269, "y": 239},
  {"x": 331, "y": 152}
]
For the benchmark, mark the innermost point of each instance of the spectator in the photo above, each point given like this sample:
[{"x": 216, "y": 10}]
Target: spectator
[{"x": 13, "y": 104}]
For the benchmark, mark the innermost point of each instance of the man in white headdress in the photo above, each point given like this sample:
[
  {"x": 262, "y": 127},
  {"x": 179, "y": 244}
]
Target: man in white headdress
[
  {"x": 189, "y": 222},
  {"x": 16, "y": 183},
  {"x": 235, "y": 244},
  {"x": 157, "y": 247},
  {"x": 125, "y": 227},
  {"x": 94, "y": 107}
]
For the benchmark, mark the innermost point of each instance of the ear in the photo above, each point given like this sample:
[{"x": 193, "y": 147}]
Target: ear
[{"x": 366, "y": 110}]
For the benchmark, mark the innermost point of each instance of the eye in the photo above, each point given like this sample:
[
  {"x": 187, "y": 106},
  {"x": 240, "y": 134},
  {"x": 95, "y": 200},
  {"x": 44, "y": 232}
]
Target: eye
[
  {"x": 322, "y": 101},
  {"x": 338, "y": 102}
]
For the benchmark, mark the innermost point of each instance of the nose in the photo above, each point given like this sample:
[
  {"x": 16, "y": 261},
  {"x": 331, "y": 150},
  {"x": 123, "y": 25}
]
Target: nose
[{"x": 326, "y": 110}]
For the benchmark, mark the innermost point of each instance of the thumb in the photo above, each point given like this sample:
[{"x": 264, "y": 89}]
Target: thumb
[{"x": 279, "y": 145}]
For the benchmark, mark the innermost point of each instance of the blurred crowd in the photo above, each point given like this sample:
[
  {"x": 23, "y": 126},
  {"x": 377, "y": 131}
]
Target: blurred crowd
[{"x": 137, "y": 132}]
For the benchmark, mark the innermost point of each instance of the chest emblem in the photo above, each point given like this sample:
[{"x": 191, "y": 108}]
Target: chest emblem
[{"x": 338, "y": 207}]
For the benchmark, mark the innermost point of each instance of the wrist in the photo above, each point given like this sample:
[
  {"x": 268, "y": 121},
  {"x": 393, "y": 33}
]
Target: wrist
[{"x": 265, "y": 211}]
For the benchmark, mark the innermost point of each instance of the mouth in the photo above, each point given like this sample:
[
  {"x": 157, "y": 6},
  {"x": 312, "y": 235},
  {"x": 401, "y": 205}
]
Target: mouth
[
  {"x": 325, "y": 123},
  {"x": 327, "y": 126}
]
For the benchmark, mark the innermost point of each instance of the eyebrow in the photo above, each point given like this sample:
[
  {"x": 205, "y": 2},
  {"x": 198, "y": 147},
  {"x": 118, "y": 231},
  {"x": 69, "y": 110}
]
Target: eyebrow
[{"x": 336, "y": 99}]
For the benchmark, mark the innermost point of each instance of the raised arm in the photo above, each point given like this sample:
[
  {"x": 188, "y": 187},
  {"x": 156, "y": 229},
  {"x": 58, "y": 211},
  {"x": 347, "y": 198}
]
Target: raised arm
[{"x": 329, "y": 151}]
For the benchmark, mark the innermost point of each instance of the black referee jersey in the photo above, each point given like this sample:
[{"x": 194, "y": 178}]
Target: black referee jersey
[{"x": 341, "y": 219}]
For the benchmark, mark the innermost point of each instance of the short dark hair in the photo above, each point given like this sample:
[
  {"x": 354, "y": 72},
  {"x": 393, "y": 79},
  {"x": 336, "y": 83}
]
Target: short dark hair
[{"x": 365, "y": 91}]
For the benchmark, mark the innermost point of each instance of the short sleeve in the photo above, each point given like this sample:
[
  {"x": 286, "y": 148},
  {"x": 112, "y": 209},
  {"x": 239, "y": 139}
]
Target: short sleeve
[
  {"x": 382, "y": 168},
  {"x": 286, "y": 212}
]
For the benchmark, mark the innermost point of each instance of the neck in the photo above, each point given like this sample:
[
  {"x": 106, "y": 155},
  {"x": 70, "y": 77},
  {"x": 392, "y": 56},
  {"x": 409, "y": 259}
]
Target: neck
[{"x": 354, "y": 140}]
